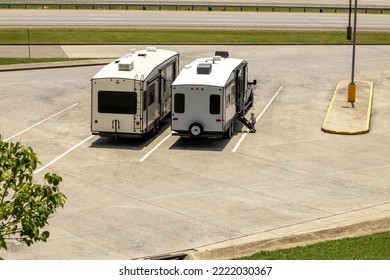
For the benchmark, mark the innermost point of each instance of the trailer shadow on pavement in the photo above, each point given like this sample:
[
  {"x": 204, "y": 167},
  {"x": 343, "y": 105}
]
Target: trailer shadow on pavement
[
  {"x": 201, "y": 144},
  {"x": 136, "y": 144},
  {"x": 204, "y": 144},
  {"x": 121, "y": 143}
]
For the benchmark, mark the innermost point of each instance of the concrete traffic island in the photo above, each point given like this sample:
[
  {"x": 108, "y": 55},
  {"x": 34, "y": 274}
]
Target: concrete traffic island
[{"x": 349, "y": 118}]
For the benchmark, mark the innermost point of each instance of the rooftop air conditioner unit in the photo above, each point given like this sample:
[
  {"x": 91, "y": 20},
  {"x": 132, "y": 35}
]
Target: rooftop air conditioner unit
[
  {"x": 204, "y": 68},
  {"x": 126, "y": 64}
]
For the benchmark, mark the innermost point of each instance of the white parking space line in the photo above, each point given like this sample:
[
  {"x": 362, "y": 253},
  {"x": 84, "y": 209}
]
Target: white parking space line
[
  {"x": 155, "y": 148},
  {"x": 258, "y": 118},
  {"x": 38, "y": 123},
  {"x": 62, "y": 155}
]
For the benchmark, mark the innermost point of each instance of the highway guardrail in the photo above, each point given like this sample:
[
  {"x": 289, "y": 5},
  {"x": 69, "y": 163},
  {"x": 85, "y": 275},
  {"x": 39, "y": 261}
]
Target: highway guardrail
[{"x": 187, "y": 6}]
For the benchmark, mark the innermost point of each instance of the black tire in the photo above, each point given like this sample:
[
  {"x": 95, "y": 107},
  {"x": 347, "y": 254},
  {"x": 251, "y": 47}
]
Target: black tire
[
  {"x": 196, "y": 130},
  {"x": 229, "y": 132},
  {"x": 155, "y": 129}
]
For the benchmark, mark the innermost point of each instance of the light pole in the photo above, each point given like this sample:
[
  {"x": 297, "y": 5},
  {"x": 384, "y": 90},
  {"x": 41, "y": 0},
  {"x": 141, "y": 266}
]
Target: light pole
[
  {"x": 29, "y": 43},
  {"x": 352, "y": 85},
  {"x": 349, "y": 27}
]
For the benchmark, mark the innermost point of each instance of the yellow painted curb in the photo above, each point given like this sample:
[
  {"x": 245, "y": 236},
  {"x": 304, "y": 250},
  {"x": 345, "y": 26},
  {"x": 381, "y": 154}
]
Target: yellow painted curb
[{"x": 349, "y": 132}]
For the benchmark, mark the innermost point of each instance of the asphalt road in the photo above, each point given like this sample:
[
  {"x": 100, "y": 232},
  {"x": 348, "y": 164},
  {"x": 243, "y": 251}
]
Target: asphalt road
[
  {"x": 186, "y": 19},
  {"x": 135, "y": 198}
]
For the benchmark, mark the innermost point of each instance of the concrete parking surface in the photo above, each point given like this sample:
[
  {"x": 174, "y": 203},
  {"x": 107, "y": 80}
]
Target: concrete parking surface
[{"x": 286, "y": 179}]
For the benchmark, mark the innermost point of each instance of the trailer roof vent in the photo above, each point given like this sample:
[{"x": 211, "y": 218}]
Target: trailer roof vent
[
  {"x": 126, "y": 64},
  {"x": 204, "y": 68},
  {"x": 151, "y": 49},
  {"x": 223, "y": 54},
  {"x": 217, "y": 58}
]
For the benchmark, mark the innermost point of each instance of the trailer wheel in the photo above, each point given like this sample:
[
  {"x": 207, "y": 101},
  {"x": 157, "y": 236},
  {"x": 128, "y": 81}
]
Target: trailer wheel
[
  {"x": 229, "y": 133},
  {"x": 196, "y": 129},
  {"x": 156, "y": 128}
]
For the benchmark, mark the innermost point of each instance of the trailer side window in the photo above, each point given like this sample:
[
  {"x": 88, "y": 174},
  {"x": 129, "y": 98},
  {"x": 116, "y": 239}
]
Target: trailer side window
[
  {"x": 152, "y": 93},
  {"x": 117, "y": 102},
  {"x": 179, "y": 100},
  {"x": 215, "y": 104}
]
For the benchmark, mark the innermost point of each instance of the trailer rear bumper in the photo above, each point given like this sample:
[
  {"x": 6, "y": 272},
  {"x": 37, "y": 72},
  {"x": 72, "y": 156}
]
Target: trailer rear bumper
[
  {"x": 205, "y": 134},
  {"x": 118, "y": 135}
]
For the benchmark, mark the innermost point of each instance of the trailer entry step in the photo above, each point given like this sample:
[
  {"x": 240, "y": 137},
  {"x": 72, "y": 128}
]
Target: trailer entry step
[{"x": 247, "y": 123}]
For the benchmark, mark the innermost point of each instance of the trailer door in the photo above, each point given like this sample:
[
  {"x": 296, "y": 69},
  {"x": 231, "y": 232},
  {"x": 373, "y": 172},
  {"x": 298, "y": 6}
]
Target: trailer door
[
  {"x": 168, "y": 75},
  {"x": 241, "y": 85},
  {"x": 215, "y": 113}
]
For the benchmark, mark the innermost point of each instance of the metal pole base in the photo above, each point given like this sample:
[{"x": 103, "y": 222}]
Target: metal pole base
[
  {"x": 349, "y": 33},
  {"x": 351, "y": 92}
]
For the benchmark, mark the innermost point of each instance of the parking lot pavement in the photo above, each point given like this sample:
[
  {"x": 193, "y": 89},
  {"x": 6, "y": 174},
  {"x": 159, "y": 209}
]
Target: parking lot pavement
[{"x": 287, "y": 179}]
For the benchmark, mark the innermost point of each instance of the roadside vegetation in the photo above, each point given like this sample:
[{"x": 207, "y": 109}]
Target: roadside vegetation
[
  {"x": 178, "y": 36},
  {"x": 25, "y": 206},
  {"x": 184, "y": 36},
  {"x": 370, "y": 247}
]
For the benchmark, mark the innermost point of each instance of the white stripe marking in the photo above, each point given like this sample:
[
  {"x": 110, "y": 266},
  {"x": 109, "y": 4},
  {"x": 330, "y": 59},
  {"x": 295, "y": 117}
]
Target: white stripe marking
[
  {"x": 155, "y": 148},
  {"x": 261, "y": 114},
  {"x": 62, "y": 155},
  {"x": 38, "y": 123}
]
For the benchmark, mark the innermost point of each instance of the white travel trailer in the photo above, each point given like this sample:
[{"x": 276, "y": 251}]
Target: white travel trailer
[
  {"x": 209, "y": 94},
  {"x": 131, "y": 95}
]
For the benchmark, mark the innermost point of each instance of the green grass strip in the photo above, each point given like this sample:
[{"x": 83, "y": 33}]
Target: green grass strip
[
  {"x": 371, "y": 247},
  {"x": 12, "y": 60},
  {"x": 184, "y": 36}
]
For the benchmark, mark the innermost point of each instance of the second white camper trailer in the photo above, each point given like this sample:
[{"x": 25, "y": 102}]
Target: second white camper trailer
[
  {"x": 208, "y": 95},
  {"x": 131, "y": 95}
]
